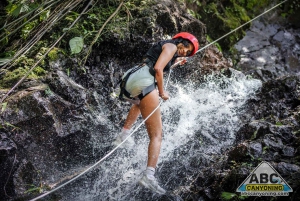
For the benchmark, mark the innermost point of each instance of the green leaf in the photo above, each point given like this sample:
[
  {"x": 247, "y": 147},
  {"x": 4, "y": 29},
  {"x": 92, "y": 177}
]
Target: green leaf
[
  {"x": 76, "y": 45},
  {"x": 227, "y": 195},
  {"x": 44, "y": 15},
  {"x": 34, "y": 189},
  {"x": 5, "y": 60},
  {"x": 65, "y": 29},
  {"x": 242, "y": 197},
  {"x": 24, "y": 8},
  {"x": 3, "y": 106},
  {"x": 10, "y": 125},
  {"x": 16, "y": 11}
]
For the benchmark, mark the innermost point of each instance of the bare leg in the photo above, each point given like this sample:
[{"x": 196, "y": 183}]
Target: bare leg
[
  {"x": 154, "y": 128},
  {"x": 132, "y": 116},
  {"x": 153, "y": 125}
]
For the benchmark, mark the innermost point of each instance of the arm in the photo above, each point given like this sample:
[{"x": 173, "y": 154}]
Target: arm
[{"x": 168, "y": 51}]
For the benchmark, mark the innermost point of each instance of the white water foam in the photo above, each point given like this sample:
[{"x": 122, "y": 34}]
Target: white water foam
[{"x": 206, "y": 117}]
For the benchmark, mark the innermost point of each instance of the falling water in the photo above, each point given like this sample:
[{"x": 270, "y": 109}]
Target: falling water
[{"x": 198, "y": 122}]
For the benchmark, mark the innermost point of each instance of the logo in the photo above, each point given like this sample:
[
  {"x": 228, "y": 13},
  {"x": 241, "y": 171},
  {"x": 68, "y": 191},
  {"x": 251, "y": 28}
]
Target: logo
[{"x": 264, "y": 180}]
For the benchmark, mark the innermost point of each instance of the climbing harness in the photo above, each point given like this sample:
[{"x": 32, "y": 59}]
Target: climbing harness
[
  {"x": 147, "y": 90},
  {"x": 123, "y": 81},
  {"x": 137, "y": 127}
]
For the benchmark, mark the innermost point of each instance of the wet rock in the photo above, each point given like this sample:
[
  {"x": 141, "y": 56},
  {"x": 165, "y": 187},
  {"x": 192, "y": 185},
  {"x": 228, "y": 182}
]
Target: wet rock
[
  {"x": 238, "y": 153},
  {"x": 74, "y": 115},
  {"x": 253, "y": 130},
  {"x": 255, "y": 149},
  {"x": 287, "y": 168},
  {"x": 274, "y": 143},
  {"x": 98, "y": 59},
  {"x": 6, "y": 144},
  {"x": 277, "y": 97},
  {"x": 285, "y": 132},
  {"x": 26, "y": 177},
  {"x": 208, "y": 193},
  {"x": 266, "y": 51},
  {"x": 274, "y": 156},
  {"x": 288, "y": 151},
  {"x": 8, "y": 150}
]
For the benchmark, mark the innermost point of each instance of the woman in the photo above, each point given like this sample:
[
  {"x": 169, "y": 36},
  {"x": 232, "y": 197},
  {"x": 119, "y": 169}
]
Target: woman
[{"x": 138, "y": 87}]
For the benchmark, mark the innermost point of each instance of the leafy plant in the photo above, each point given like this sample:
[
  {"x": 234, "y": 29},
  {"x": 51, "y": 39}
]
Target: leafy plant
[
  {"x": 34, "y": 189},
  {"x": 265, "y": 149},
  {"x": 76, "y": 45},
  {"x": 231, "y": 196},
  {"x": 48, "y": 91},
  {"x": 19, "y": 7},
  {"x": 9, "y": 125},
  {"x": 227, "y": 195},
  {"x": 3, "y": 106},
  {"x": 44, "y": 15},
  {"x": 28, "y": 28},
  {"x": 5, "y": 60}
]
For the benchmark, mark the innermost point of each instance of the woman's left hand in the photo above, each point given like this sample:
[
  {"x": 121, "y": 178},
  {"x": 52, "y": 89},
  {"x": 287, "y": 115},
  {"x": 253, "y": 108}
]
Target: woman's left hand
[{"x": 165, "y": 96}]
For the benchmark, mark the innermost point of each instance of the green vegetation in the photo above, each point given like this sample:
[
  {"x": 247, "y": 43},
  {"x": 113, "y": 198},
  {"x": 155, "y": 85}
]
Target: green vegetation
[
  {"x": 33, "y": 29},
  {"x": 3, "y": 106},
  {"x": 291, "y": 8},
  {"x": 53, "y": 54},
  {"x": 41, "y": 30},
  {"x": 228, "y": 196},
  {"x": 216, "y": 44},
  {"x": 34, "y": 189},
  {"x": 232, "y": 196},
  {"x": 19, "y": 69},
  {"x": 223, "y": 17},
  {"x": 254, "y": 135}
]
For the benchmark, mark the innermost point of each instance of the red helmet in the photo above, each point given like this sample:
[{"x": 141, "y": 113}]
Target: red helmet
[{"x": 189, "y": 37}]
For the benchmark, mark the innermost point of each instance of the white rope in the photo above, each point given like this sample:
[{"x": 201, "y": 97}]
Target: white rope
[{"x": 113, "y": 150}]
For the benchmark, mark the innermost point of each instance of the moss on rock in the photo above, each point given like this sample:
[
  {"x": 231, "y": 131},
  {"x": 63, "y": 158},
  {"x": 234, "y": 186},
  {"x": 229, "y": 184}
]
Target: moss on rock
[
  {"x": 12, "y": 77},
  {"x": 53, "y": 54},
  {"x": 225, "y": 16}
]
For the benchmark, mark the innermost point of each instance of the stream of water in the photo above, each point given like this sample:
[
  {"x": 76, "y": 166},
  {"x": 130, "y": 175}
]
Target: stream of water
[{"x": 198, "y": 122}]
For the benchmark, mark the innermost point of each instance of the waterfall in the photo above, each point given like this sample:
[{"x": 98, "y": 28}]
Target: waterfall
[{"x": 198, "y": 122}]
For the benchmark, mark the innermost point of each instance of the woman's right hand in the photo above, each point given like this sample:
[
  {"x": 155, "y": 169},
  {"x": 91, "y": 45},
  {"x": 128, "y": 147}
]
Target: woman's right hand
[{"x": 182, "y": 60}]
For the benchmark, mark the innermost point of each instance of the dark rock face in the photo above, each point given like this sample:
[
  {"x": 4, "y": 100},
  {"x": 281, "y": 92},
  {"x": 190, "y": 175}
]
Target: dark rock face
[
  {"x": 271, "y": 129},
  {"x": 57, "y": 123},
  {"x": 7, "y": 162},
  {"x": 268, "y": 51},
  {"x": 163, "y": 19}
]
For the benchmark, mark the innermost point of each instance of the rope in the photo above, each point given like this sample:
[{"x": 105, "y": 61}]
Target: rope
[
  {"x": 107, "y": 155},
  {"x": 113, "y": 150}
]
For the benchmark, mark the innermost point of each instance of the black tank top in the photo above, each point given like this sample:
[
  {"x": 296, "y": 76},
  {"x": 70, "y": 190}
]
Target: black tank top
[{"x": 154, "y": 52}]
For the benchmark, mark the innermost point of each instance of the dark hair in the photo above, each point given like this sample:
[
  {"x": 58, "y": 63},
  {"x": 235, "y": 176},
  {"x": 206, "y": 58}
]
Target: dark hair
[{"x": 185, "y": 42}]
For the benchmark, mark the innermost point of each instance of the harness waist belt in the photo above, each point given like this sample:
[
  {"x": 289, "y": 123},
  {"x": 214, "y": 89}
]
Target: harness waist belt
[
  {"x": 124, "y": 92},
  {"x": 147, "y": 90}
]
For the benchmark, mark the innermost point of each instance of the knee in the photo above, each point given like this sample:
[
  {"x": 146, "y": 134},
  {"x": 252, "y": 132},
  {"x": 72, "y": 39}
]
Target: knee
[{"x": 157, "y": 136}]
